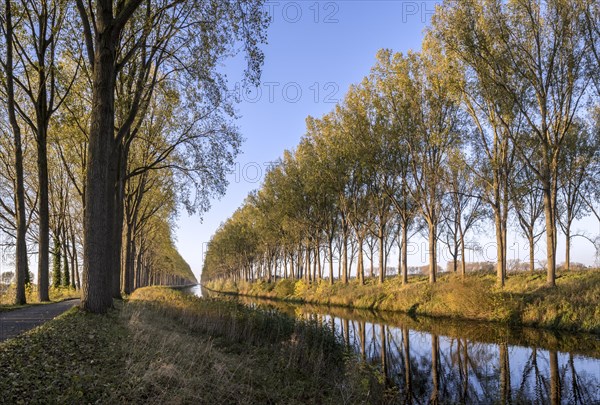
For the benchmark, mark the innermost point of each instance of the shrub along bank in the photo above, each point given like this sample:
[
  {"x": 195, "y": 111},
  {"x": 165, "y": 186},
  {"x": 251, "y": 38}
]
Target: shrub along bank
[{"x": 574, "y": 304}]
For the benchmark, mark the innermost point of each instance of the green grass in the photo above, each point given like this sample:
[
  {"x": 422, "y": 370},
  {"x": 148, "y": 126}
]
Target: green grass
[
  {"x": 574, "y": 304},
  {"x": 164, "y": 347}
]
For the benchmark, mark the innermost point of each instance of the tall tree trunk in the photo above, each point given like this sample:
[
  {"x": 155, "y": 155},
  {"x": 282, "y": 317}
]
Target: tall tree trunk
[
  {"x": 75, "y": 260},
  {"x": 549, "y": 208},
  {"x": 21, "y": 265},
  {"x": 77, "y": 280},
  {"x": 463, "y": 259},
  {"x": 500, "y": 248},
  {"x": 73, "y": 268},
  {"x": 44, "y": 215},
  {"x": 129, "y": 260},
  {"x": 360, "y": 266},
  {"x": 531, "y": 253},
  {"x": 432, "y": 252},
  {"x": 100, "y": 187},
  {"x": 139, "y": 280},
  {"x": 568, "y": 247},
  {"x": 66, "y": 273},
  {"x": 300, "y": 262},
  {"x": 315, "y": 264},
  {"x": 455, "y": 257},
  {"x": 118, "y": 273},
  {"x": 400, "y": 261},
  {"x": 319, "y": 267},
  {"x": 307, "y": 264},
  {"x": 345, "y": 256},
  {"x": 330, "y": 251},
  {"x": 339, "y": 268},
  {"x": 381, "y": 238},
  {"x": 405, "y": 253},
  {"x": 56, "y": 263}
]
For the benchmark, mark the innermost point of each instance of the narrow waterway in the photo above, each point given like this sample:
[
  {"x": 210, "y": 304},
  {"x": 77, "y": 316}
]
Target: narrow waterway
[{"x": 442, "y": 361}]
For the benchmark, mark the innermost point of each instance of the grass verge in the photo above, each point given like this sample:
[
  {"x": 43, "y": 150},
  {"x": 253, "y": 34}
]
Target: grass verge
[
  {"x": 163, "y": 347},
  {"x": 7, "y": 296},
  {"x": 574, "y": 304}
]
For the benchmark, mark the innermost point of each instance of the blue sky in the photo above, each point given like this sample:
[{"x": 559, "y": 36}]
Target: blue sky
[{"x": 316, "y": 50}]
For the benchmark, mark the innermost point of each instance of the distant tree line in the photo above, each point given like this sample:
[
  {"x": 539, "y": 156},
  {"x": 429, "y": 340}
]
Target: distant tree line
[
  {"x": 114, "y": 116},
  {"x": 495, "y": 120}
]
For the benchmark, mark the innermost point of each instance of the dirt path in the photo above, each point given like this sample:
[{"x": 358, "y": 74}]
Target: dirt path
[{"x": 13, "y": 323}]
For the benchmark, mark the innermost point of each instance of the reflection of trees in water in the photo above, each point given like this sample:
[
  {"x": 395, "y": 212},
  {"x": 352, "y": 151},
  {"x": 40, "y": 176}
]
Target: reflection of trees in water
[
  {"x": 429, "y": 369},
  {"x": 545, "y": 381},
  {"x": 504, "y": 367},
  {"x": 407, "y": 368}
]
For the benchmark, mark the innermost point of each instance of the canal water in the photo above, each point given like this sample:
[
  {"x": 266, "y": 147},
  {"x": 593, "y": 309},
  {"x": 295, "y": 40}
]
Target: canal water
[{"x": 432, "y": 360}]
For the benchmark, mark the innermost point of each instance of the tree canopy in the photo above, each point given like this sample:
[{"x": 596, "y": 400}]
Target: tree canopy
[{"x": 492, "y": 121}]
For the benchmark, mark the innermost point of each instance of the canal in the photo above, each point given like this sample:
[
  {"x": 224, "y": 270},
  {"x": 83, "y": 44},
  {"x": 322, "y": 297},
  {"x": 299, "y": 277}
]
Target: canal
[{"x": 447, "y": 361}]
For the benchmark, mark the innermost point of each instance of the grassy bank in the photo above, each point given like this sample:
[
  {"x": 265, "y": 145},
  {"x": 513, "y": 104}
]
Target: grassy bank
[
  {"x": 7, "y": 296},
  {"x": 525, "y": 300},
  {"x": 164, "y": 347}
]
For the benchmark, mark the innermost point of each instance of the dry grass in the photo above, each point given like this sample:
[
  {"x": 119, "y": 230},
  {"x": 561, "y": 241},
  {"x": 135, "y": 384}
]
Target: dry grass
[
  {"x": 7, "y": 296},
  {"x": 525, "y": 300},
  {"x": 188, "y": 350},
  {"x": 163, "y": 347}
]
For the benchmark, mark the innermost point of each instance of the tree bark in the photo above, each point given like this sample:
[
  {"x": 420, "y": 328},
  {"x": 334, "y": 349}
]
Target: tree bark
[
  {"x": 56, "y": 274},
  {"x": 360, "y": 266},
  {"x": 568, "y": 248},
  {"x": 99, "y": 198},
  {"x": 405, "y": 253},
  {"x": 463, "y": 259},
  {"x": 330, "y": 250},
  {"x": 129, "y": 260},
  {"x": 432, "y": 253},
  {"x": 319, "y": 266},
  {"x": 550, "y": 236},
  {"x": 381, "y": 238},
  {"x": 400, "y": 261},
  {"x": 307, "y": 265},
  {"x": 43, "y": 205},
  {"x": 118, "y": 173},
  {"x": 531, "y": 254},
  {"x": 66, "y": 271},
  {"x": 345, "y": 255},
  {"x": 500, "y": 248},
  {"x": 21, "y": 265}
]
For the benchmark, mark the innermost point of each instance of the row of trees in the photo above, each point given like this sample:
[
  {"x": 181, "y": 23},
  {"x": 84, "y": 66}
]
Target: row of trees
[
  {"x": 496, "y": 119},
  {"x": 114, "y": 115}
]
